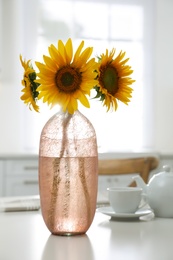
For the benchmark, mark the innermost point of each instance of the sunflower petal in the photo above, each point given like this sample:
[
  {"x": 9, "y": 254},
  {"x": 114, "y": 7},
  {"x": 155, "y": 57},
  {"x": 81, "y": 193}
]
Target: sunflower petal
[
  {"x": 69, "y": 51},
  {"x": 50, "y": 64},
  {"x": 77, "y": 53},
  {"x": 84, "y": 101}
]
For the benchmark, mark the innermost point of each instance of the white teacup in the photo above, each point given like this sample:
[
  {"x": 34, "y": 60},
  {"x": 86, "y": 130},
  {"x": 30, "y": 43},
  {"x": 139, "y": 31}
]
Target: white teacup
[{"x": 125, "y": 199}]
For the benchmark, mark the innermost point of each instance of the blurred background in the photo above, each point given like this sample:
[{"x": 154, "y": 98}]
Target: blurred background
[{"x": 141, "y": 28}]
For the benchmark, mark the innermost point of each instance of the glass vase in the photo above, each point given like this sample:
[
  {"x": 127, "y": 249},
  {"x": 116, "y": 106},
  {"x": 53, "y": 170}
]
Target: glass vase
[{"x": 68, "y": 173}]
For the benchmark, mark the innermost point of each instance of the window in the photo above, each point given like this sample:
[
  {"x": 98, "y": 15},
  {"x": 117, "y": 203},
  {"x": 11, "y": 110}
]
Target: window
[{"x": 103, "y": 24}]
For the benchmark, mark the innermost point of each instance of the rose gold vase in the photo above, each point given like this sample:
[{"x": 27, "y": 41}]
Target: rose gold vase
[{"x": 68, "y": 173}]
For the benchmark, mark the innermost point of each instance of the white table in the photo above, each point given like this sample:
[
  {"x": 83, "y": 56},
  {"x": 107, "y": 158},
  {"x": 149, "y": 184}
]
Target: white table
[{"x": 24, "y": 236}]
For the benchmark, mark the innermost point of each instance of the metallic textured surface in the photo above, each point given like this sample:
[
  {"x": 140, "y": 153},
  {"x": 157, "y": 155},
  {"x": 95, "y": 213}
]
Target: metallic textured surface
[{"x": 68, "y": 174}]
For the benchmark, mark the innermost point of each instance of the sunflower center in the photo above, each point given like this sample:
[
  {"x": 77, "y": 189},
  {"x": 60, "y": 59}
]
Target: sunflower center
[
  {"x": 68, "y": 79},
  {"x": 109, "y": 78}
]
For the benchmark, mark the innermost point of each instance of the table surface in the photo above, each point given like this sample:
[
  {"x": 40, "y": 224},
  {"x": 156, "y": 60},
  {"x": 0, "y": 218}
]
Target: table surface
[{"x": 24, "y": 236}]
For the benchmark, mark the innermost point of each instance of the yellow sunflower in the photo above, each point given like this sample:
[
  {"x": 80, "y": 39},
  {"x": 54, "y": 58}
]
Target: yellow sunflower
[
  {"x": 64, "y": 79},
  {"x": 113, "y": 79},
  {"x": 30, "y": 86}
]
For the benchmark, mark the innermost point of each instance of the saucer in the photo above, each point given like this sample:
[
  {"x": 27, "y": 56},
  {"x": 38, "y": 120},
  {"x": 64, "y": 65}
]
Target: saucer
[{"x": 110, "y": 212}]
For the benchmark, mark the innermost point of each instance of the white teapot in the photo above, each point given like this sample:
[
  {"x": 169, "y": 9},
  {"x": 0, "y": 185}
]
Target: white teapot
[{"x": 159, "y": 192}]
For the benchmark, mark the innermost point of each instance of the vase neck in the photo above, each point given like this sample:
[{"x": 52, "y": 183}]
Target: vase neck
[{"x": 67, "y": 114}]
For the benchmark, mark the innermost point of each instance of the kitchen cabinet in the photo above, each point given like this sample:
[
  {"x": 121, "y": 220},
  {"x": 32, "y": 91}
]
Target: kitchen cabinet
[{"x": 19, "y": 176}]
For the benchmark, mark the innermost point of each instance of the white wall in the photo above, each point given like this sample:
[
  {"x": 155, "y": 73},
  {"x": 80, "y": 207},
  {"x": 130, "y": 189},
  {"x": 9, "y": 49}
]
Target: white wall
[
  {"x": 163, "y": 62},
  {"x": 9, "y": 84},
  {"x": 11, "y": 70}
]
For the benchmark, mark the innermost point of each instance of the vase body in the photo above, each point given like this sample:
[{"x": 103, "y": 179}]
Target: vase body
[{"x": 68, "y": 173}]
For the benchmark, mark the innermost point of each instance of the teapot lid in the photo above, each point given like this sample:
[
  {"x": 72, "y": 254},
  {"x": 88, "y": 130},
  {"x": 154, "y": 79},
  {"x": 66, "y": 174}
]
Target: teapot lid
[
  {"x": 166, "y": 168},
  {"x": 166, "y": 171}
]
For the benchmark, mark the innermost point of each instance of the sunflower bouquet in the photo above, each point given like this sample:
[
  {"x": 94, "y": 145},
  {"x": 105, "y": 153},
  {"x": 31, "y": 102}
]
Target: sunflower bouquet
[{"x": 65, "y": 79}]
